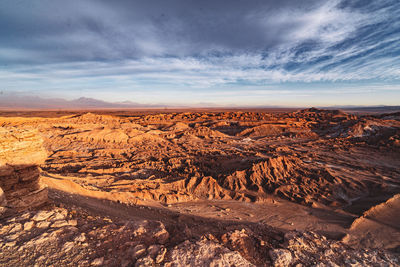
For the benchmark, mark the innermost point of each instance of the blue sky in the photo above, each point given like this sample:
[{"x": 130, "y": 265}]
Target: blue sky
[{"x": 292, "y": 53}]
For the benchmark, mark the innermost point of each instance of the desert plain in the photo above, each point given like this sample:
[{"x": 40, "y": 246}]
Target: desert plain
[{"x": 266, "y": 187}]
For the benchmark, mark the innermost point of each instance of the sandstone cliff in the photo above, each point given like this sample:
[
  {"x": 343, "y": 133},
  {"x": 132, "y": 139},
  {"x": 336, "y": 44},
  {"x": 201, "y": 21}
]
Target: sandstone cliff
[{"x": 21, "y": 152}]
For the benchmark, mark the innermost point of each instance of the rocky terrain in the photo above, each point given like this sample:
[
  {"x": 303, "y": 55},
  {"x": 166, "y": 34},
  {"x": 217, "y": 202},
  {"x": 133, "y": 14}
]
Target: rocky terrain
[{"x": 230, "y": 188}]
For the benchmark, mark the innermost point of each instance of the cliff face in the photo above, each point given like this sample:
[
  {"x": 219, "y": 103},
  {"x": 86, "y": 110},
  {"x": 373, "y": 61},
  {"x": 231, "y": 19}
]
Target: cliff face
[{"x": 21, "y": 152}]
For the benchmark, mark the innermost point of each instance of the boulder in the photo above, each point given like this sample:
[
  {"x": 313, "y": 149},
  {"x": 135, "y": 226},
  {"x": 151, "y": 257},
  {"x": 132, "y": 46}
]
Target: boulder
[
  {"x": 281, "y": 257},
  {"x": 204, "y": 253}
]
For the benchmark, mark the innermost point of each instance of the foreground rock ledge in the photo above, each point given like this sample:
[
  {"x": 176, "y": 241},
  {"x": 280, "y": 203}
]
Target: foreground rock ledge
[{"x": 21, "y": 151}]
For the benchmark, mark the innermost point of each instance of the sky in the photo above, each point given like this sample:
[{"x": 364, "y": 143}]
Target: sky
[{"x": 187, "y": 52}]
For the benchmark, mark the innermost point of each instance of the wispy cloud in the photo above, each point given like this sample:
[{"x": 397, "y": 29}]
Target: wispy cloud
[{"x": 67, "y": 47}]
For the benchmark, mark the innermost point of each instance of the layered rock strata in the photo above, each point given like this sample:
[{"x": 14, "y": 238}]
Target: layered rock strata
[{"x": 21, "y": 152}]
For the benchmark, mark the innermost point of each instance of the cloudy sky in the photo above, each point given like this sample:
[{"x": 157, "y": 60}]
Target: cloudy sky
[{"x": 231, "y": 52}]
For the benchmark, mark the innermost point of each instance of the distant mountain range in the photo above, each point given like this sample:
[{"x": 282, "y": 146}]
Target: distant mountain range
[
  {"x": 15, "y": 101},
  {"x": 34, "y": 102},
  {"x": 367, "y": 109}
]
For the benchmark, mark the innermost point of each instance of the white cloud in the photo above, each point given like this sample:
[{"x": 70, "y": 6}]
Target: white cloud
[{"x": 128, "y": 53}]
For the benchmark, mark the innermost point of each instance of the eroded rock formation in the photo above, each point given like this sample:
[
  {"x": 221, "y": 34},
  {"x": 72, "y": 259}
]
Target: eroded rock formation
[
  {"x": 309, "y": 156},
  {"x": 201, "y": 188},
  {"x": 21, "y": 152}
]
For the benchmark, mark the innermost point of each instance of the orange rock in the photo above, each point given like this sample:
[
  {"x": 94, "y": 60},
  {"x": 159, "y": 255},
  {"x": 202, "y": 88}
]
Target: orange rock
[
  {"x": 21, "y": 151},
  {"x": 20, "y": 147}
]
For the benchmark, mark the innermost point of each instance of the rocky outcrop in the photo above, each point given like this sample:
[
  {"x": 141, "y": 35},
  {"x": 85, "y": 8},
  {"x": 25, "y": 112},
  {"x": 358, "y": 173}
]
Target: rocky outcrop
[
  {"x": 21, "y": 147},
  {"x": 311, "y": 249},
  {"x": 287, "y": 177},
  {"x": 66, "y": 236},
  {"x": 61, "y": 237},
  {"x": 205, "y": 253},
  {"x": 21, "y": 152},
  {"x": 246, "y": 248},
  {"x": 378, "y": 227}
]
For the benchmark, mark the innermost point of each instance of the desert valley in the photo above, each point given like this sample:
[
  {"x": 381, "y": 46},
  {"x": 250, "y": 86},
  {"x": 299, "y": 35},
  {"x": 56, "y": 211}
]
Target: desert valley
[
  {"x": 307, "y": 187},
  {"x": 200, "y": 133}
]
